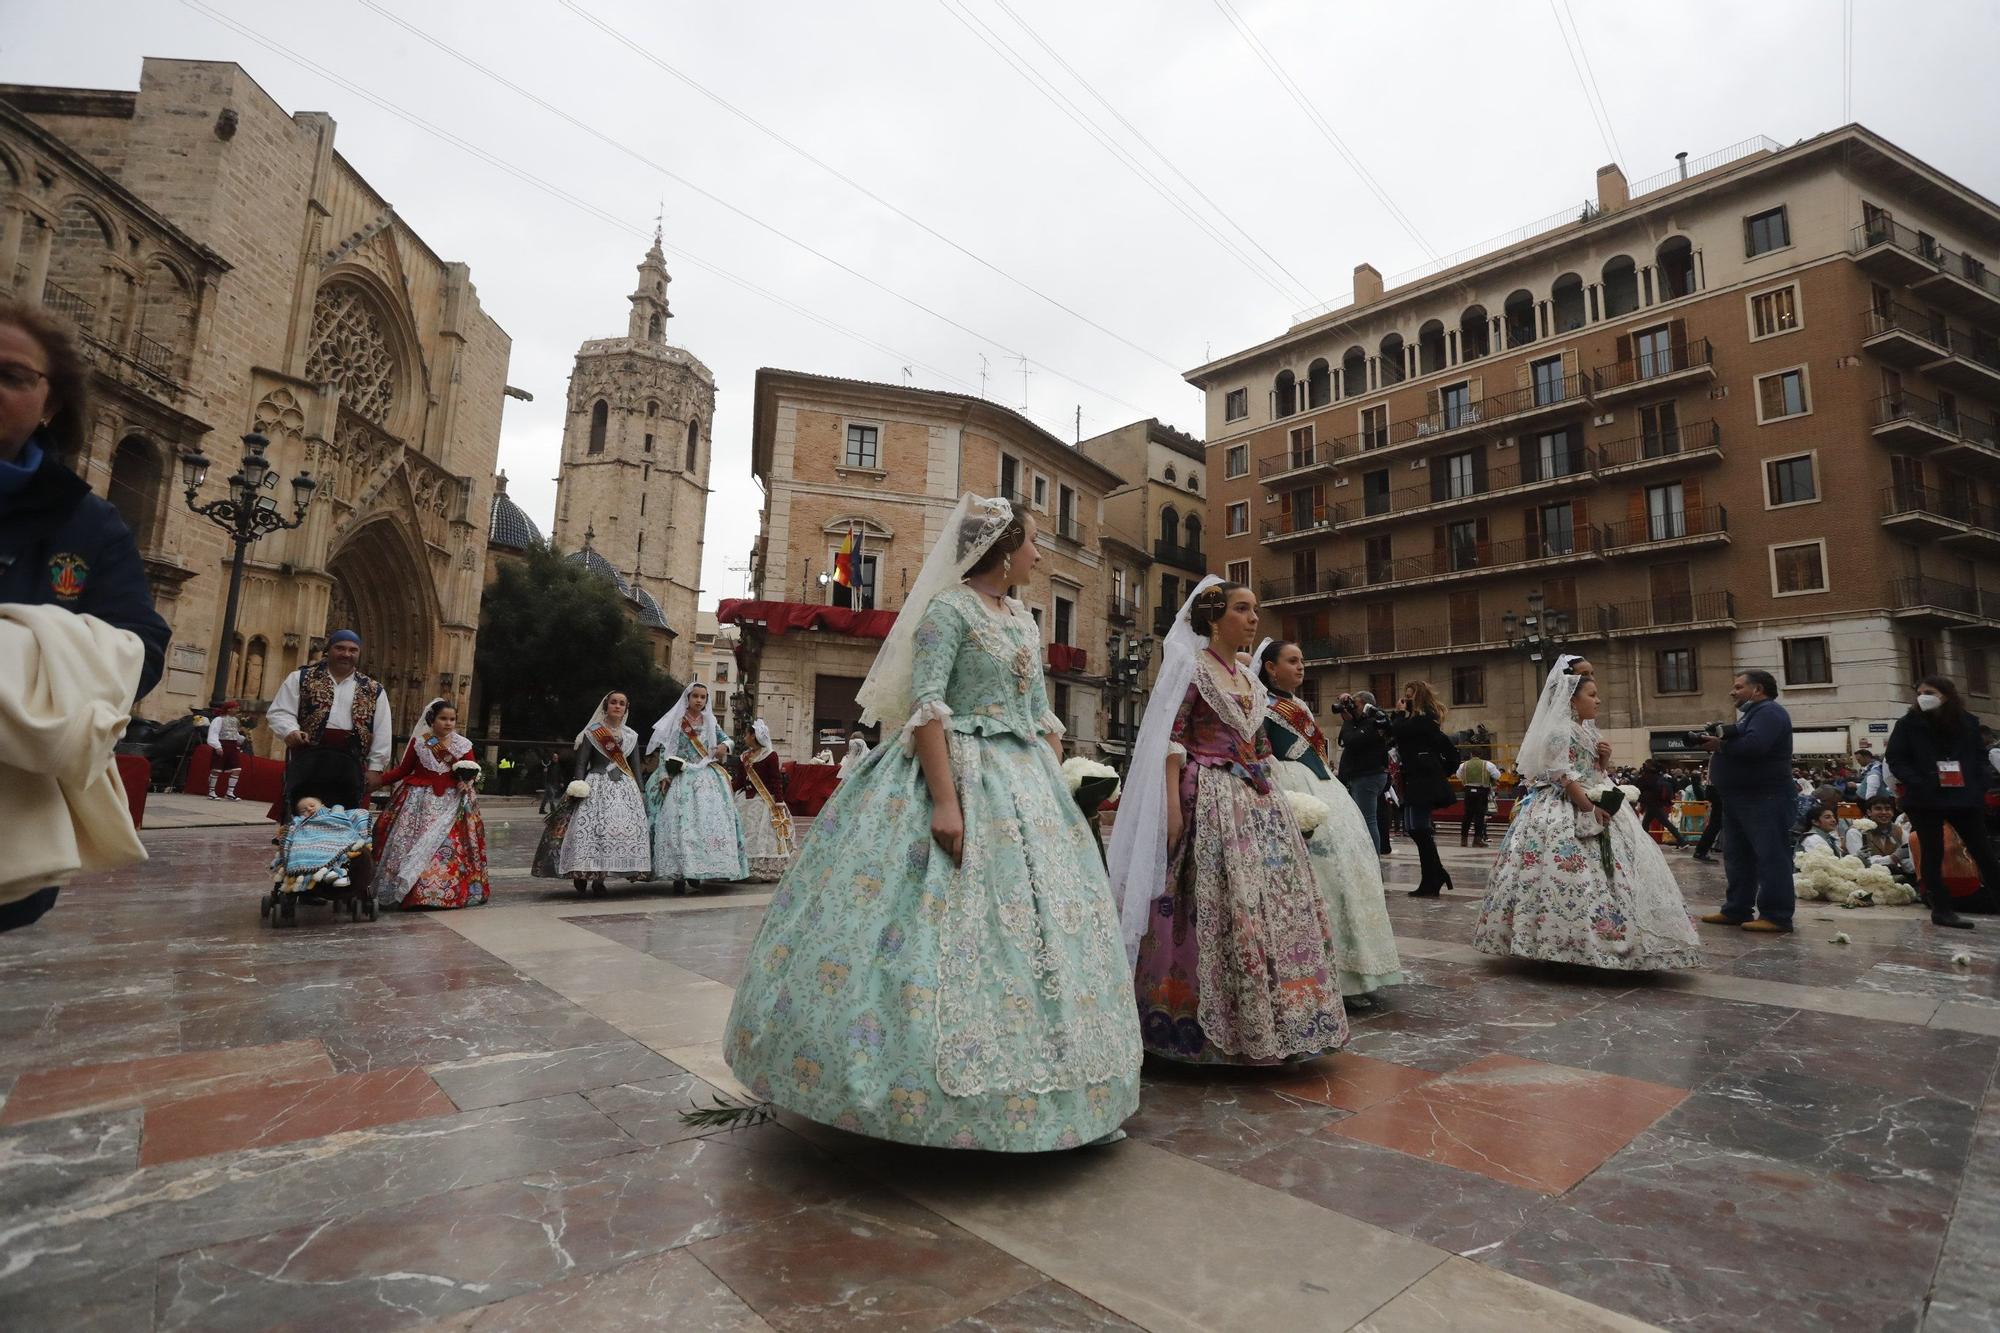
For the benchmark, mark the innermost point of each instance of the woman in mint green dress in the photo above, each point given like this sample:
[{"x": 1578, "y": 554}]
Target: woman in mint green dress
[{"x": 942, "y": 964}]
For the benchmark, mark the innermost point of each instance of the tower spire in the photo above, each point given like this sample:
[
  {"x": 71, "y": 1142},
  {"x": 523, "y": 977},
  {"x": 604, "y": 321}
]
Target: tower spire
[{"x": 650, "y": 311}]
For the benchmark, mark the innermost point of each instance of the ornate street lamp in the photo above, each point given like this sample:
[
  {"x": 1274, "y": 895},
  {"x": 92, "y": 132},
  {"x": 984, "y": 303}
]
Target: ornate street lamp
[
  {"x": 1537, "y": 633},
  {"x": 246, "y": 514}
]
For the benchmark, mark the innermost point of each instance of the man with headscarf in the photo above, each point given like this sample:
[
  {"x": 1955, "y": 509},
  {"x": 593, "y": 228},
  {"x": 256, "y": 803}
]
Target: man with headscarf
[{"x": 335, "y": 725}]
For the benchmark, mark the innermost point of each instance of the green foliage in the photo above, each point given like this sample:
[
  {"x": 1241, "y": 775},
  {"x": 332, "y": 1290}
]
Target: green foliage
[{"x": 553, "y": 640}]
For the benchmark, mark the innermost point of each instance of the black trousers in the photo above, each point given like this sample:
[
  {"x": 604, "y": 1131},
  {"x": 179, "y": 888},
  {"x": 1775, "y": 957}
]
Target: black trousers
[
  {"x": 1651, "y": 815},
  {"x": 1712, "y": 829},
  {"x": 1473, "y": 820},
  {"x": 1970, "y": 825},
  {"x": 27, "y": 911}
]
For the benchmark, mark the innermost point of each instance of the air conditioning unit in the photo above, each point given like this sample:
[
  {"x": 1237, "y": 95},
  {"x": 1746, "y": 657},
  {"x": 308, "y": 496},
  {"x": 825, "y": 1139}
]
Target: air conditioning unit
[{"x": 1603, "y": 419}]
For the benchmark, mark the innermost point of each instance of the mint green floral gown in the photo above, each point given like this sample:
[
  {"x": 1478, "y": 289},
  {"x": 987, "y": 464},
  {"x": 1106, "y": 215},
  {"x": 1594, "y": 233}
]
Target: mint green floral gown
[{"x": 983, "y": 1006}]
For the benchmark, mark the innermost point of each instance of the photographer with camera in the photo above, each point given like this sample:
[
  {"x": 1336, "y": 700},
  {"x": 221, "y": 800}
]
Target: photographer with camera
[
  {"x": 1752, "y": 774},
  {"x": 1364, "y": 759},
  {"x": 1428, "y": 757}
]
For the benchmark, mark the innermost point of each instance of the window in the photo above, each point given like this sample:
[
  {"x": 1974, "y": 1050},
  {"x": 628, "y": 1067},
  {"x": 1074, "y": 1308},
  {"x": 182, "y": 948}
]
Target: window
[
  {"x": 1558, "y": 530},
  {"x": 861, "y": 446},
  {"x": 642, "y": 504},
  {"x": 722, "y": 671},
  {"x": 1375, "y": 492},
  {"x": 1194, "y": 482},
  {"x": 1238, "y": 571},
  {"x": 1798, "y": 568},
  {"x": 1807, "y": 662},
  {"x": 1462, "y": 539},
  {"x": 1977, "y": 679},
  {"x": 1653, "y": 352},
  {"x": 1765, "y": 232},
  {"x": 1302, "y": 447},
  {"x": 1659, "y": 431},
  {"x": 600, "y": 421},
  {"x": 860, "y": 597},
  {"x": 1236, "y": 462},
  {"x": 1010, "y": 477},
  {"x": 652, "y": 410},
  {"x": 1781, "y": 395},
  {"x": 1789, "y": 481},
  {"x": 1171, "y": 475},
  {"x": 1236, "y": 405},
  {"x": 1548, "y": 381},
  {"x": 1375, "y": 557},
  {"x": 1375, "y": 427},
  {"x": 1555, "y": 456},
  {"x": 1065, "y": 620},
  {"x": 1464, "y": 612},
  {"x": 1041, "y": 489},
  {"x": 1468, "y": 685},
  {"x": 649, "y": 444},
  {"x": 1238, "y": 518},
  {"x": 1923, "y": 658},
  {"x": 1674, "y": 672},
  {"x": 1453, "y": 405},
  {"x": 693, "y": 443},
  {"x": 1666, "y": 512},
  {"x": 1458, "y": 477},
  {"x": 1775, "y": 312},
  {"x": 1066, "y": 522}
]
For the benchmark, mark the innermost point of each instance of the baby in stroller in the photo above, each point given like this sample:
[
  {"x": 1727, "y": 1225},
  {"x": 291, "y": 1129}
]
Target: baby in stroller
[{"x": 324, "y": 855}]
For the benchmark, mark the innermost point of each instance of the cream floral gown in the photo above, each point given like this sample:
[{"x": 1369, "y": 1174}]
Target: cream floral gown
[{"x": 985, "y": 1005}]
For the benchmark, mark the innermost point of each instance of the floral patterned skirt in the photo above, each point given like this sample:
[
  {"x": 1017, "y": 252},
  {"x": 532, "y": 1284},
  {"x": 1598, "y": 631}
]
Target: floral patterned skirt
[
  {"x": 1349, "y": 875},
  {"x": 1550, "y": 897},
  {"x": 430, "y": 850},
  {"x": 985, "y": 1005},
  {"x": 695, "y": 833},
  {"x": 1238, "y": 964}
]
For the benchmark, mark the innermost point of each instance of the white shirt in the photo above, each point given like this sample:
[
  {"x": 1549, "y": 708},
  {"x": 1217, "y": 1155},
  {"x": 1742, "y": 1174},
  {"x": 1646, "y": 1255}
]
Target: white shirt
[
  {"x": 283, "y": 716},
  {"x": 218, "y": 732}
]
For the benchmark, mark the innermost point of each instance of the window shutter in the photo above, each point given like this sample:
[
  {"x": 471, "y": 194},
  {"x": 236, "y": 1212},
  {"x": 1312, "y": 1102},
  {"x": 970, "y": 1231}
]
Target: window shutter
[
  {"x": 1677, "y": 335},
  {"x": 1285, "y": 504},
  {"x": 1691, "y": 497},
  {"x": 1438, "y": 468},
  {"x": 1624, "y": 349},
  {"x": 1475, "y": 391},
  {"x": 1431, "y": 402},
  {"x": 1479, "y": 468},
  {"x": 1484, "y": 536},
  {"x": 1580, "y": 514},
  {"x": 1531, "y": 527},
  {"x": 1439, "y": 538},
  {"x": 1569, "y": 363},
  {"x": 1635, "y": 509},
  {"x": 1319, "y": 500}
]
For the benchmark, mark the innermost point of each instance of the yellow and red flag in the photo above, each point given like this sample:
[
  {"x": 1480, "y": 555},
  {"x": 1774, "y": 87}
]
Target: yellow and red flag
[{"x": 843, "y": 562}]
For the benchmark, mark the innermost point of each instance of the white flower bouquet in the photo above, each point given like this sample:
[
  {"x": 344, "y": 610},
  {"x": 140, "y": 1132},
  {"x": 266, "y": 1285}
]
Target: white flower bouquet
[
  {"x": 577, "y": 790},
  {"x": 1090, "y": 783},
  {"x": 1862, "y": 825},
  {"x": 1309, "y": 811},
  {"x": 468, "y": 770},
  {"x": 1844, "y": 880}
]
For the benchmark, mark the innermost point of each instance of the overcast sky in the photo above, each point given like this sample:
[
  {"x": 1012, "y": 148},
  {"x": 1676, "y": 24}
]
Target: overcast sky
[{"x": 1470, "y": 117}]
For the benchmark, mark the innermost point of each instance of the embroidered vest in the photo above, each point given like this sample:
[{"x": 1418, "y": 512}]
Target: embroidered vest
[
  {"x": 1294, "y": 715},
  {"x": 316, "y": 703}
]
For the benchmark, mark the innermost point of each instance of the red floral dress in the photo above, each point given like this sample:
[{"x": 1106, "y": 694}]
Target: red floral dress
[{"x": 430, "y": 845}]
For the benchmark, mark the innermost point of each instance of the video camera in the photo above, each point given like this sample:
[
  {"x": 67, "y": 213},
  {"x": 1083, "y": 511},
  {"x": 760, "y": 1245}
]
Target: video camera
[
  {"x": 1695, "y": 738},
  {"x": 1352, "y": 708}
]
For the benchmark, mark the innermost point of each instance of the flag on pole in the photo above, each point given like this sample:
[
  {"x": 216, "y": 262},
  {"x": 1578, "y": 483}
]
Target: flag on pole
[{"x": 843, "y": 562}]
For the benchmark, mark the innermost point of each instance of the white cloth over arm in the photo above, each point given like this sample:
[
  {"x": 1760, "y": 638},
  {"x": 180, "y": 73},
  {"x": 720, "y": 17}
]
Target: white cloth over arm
[
  {"x": 215, "y": 733},
  {"x": 384, "y": 737},
  {"x": 282, "y": 717}
]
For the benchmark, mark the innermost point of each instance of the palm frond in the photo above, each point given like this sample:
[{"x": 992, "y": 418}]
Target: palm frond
[{"x": 727, "y": 1113}]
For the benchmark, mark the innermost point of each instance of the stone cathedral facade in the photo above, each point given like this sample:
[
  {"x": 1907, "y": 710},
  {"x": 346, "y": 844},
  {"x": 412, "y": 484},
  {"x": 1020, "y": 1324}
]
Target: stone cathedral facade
[
  {"x": 635, "y": 457},
  {"x": 229, "y": 271}
]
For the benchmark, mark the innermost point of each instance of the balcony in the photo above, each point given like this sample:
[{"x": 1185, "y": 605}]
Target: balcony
[
  {"x": 1698, "y": 442},
  {"x": 1121, "y": 733},
  {"x": 1067, "y": 659},
  {"x": 1529, "y": 473},
  {"x": 1677, "y": 529},
  {"x": 1470, "y": 561},
  {"x": 1274, "y": 592},
  {"x": 1927, "y": 601},
  {"x": 1912, "y": 424},
  {"x": 1894, "y": 253},
  {"x": 1069, "y": 528},
  {"x": 1666, "y": 615},
  {"x": 1971, "y": 362},
  {"x": 1671, "y": 367},
  {"x": 1181, "y": 557},
  {"x": 69, "y": 305},
  {"x": 1952, "y": 519},
  {"x": 1120, "y": 610},
  {"x": 1292, "y": 527},
  {"x": 1402, "y": 641},
  {"x": 1905, "y": 337},
  {"x": 1960, "y": 283},
  {"x": 1319, "y": 652},
  {"x": 1294, "y": 465}
]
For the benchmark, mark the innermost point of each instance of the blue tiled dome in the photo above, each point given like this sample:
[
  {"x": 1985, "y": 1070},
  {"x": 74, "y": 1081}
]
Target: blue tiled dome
[
  {"x": 507, "y": 524},
  {"x": 650, "y": 614},
  {"x": 597, "y": 564}
]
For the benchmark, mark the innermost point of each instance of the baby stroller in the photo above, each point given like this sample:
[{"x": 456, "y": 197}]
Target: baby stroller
[{"x": 324, "y": 857}]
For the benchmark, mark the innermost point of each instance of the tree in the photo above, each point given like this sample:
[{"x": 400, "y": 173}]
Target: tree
[{"x": 554, "y": 638}]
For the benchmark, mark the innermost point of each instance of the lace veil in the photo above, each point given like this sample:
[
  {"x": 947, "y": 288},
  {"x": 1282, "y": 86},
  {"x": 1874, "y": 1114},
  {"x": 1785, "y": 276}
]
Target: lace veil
[
  {"x": 1545, "y": 749},
  {"x": 970, "y": 530},
  {"x": 626, "y": 736},
  {"x": 1138, "y": 853},
  {"x": 709, "y": 730}
]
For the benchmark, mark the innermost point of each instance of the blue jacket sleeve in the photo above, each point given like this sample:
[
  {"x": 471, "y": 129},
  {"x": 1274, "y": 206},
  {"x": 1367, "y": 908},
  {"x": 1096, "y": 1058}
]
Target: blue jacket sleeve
[
  {"x": 119, "y": 595},
  {"x": 1757, "y": 736}
]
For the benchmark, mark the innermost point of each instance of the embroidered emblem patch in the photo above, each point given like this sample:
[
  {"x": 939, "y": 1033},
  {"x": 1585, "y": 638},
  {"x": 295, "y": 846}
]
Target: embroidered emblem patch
[{"x": 68, "y": 573}]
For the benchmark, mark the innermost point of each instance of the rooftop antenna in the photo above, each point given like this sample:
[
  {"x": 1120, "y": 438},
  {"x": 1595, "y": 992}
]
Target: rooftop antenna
[
  {"x": 983, "y": 370},
  {"x": 1079, "y": 423},
  {"x": 909, "y": 376},
  {"x": 1024, "y": 380},
  {"x": 660, "y": 222}
]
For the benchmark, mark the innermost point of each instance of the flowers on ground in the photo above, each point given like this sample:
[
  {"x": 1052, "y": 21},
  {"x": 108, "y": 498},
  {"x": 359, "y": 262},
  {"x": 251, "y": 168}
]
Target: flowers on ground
[{"x": 1846, "y": 881}]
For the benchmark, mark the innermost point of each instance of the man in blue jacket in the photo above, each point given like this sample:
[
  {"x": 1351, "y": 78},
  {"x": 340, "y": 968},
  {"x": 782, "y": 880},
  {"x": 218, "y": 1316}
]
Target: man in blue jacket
[{"x": 1753, "y": 776}]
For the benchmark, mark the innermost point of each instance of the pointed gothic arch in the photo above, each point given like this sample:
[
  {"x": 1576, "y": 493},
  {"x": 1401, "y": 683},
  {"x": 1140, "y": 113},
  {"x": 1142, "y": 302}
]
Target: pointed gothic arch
[
  {"x": 364, "y": 340},
  {"x": 382, "y": 590}
]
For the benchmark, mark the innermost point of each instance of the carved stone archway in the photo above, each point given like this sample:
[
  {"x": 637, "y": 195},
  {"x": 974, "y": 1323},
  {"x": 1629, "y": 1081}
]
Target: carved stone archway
[{"x": 382, "y": 591}]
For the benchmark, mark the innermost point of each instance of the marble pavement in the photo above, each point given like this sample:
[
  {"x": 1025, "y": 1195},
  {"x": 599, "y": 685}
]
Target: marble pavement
[{"x": 471, "y": 1120}]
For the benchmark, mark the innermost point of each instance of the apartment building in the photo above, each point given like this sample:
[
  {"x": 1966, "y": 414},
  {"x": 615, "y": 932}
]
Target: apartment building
[
  {"x": 1740, "y": 415},
  {"x": 887, "y": 463},
  {"x": 1153, "y": 529}
]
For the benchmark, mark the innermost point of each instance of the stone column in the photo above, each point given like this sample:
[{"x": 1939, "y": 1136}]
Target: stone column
[
  {"x": 38, "y": 267},
  {"x": 15, "y": 219}
]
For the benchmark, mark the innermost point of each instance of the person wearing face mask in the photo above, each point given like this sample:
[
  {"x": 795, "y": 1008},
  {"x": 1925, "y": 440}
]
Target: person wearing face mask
[
  {"x": 1936, "y": 754},
  {"x": 1752, "y": 774}
]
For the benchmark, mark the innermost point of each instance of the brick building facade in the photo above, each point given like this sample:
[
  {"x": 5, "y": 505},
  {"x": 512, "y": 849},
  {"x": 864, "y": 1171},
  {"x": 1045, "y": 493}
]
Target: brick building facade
[{"x": 1741, "y": 419}]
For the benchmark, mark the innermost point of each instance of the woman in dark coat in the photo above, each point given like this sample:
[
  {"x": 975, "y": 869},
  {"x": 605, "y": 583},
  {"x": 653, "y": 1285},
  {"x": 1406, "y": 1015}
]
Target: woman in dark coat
[
  {"x": 1936, "y": 755},
  {"x": 1427, "y": 755}
]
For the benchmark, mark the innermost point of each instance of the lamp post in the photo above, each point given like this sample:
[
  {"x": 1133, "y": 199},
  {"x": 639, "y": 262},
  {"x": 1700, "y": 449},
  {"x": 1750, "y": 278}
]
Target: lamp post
[
  {"x": 1127, "y": 668},
  {"x": 246, "y": 514},
  {"x": 1538, "y": 632}
]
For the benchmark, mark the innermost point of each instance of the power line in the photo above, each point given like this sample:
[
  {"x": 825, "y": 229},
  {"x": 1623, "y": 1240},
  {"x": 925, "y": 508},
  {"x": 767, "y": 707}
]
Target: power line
[
  {"x": 1150, "y": 147},
  {"x": 1590, "y": 69},
  {"x": 1000, "y": 47},
  {"x": 1584, "y": 82},
  {"x": 718, "y": 200},
  {"x": 623, "y": 40},
  {"x": 1320, "y": 123},
  {"x": 557, "y": 192}
]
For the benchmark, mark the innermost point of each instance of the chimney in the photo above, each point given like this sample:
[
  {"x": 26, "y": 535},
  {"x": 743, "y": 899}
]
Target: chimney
[
  {"x": 1612, "y": 192},
  {"x": 1367, "y": 284},
  {"x": 1682, "y": 158}
]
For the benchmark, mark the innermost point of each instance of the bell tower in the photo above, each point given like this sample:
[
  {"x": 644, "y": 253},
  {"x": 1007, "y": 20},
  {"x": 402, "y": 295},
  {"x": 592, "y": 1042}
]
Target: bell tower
[{"x": 635, "y": 458}]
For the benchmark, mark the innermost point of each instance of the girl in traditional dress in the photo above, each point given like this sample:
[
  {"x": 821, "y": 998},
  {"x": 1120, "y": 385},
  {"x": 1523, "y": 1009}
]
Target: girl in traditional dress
[
  {"x": 430, "y": 844},
  {"x": 1341, "y": 851},
  {"x": 760, "y": 807},
  {"x": 1232, "y": 940},
  {"x": 1571, "y": 883},
  {"x": 604, "y": 831},
  {"x": 941, "y": 964},
  {"x": 695, "y": 834},
  {"x": 225, "y": 743},
  {"x": 857, "y": 750}
]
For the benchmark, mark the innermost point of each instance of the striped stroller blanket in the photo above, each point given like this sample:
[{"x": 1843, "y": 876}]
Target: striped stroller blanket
[{"x": 318, "y": 847}]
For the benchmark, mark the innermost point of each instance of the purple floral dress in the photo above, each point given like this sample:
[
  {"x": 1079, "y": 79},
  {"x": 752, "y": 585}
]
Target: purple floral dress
[{"x": 1237, "y": 965}]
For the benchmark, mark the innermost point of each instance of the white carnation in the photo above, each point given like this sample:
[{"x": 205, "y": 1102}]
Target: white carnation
[
  {"x": 1631, "y": 794},
  {"x": 1961, "y": 960},
  {"x": 1841, "y": 938},
  {"x": 1310, "y": 811},
  {"x": 1077, "y": 770},
  {"x": 1862, "y": 825},
  {"x": 577, "y": 790}
]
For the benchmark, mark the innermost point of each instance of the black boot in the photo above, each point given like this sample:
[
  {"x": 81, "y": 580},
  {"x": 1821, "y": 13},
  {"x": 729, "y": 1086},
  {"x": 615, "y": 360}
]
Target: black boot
[
  {"x": 1434, "y": 878},
  {"x": 1944, "y": 916}
]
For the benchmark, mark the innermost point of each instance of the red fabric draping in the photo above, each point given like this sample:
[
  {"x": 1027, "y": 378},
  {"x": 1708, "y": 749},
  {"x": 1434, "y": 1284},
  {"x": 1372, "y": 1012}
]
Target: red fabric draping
[
  {"x": 1066, "y": 657},
  {"x": 780, "y": 617},
  {"x": 807, "y": 786},
  {"x": 136, "y": 774},
  {"x": 262, "y": 780}
]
